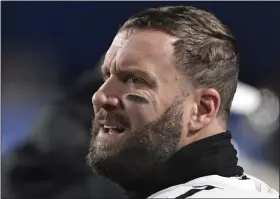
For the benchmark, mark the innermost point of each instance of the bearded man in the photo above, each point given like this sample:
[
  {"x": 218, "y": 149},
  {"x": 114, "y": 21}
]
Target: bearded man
[{"x": 160, "y": 129}]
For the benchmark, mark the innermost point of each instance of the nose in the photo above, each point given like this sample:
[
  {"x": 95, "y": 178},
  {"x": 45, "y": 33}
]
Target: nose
[{"x": 104, "y": 99}]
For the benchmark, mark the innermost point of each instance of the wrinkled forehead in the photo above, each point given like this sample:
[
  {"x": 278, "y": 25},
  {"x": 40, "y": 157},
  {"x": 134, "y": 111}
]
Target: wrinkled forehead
[{"x": 154, "y": 47}]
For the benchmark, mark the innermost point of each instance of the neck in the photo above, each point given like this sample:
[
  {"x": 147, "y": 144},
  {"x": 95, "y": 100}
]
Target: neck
[
  {"x": 212, "y": 129},
  {"x": 189, "y": 163}
]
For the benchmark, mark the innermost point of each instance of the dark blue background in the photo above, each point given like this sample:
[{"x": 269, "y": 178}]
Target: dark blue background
[{"x": 80, "y": 32}]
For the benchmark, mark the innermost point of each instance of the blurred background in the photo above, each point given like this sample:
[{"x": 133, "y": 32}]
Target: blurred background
[{"x": 49, "y": 55}]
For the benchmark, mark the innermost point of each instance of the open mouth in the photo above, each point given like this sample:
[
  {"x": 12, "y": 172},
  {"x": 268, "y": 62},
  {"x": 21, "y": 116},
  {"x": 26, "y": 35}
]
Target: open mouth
[{"x": 113, "y": 129}]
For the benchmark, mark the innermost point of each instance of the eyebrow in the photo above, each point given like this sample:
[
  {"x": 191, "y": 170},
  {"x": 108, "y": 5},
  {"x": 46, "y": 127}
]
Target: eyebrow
[
  {"x": 150, "y": 77},
  {"x": 143, "y": 73}
]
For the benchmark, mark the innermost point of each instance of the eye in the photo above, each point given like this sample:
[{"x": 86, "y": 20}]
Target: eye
[
  {"x": 106, "y": 75},
  {"x": 132, "y": 79}
]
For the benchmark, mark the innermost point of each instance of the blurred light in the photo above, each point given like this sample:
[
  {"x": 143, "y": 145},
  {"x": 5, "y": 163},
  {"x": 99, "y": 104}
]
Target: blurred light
[
  {"x": 261, "y": 107},
  {"x": 247, "y": 99},
  {"x": 266, "y": 118},
  {"x": 236, "y": 146}
]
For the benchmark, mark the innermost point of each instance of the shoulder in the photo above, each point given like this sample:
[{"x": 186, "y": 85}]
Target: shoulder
[{"x": 217, "y": 187}]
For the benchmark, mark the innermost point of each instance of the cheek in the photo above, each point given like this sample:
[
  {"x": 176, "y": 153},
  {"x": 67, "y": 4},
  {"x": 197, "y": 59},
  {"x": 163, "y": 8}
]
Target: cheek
[{"x": 139, "y": 113}]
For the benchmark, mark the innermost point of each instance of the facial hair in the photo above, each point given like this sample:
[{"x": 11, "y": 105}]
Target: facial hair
[{"x": 141, "y": 151}]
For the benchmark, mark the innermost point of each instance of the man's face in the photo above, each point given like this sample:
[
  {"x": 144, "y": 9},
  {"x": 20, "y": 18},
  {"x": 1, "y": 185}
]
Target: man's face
[{"x": 140, "y": 107}]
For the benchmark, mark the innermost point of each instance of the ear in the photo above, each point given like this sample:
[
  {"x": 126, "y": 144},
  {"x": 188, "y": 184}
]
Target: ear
[{"x": 205, "y": 109}]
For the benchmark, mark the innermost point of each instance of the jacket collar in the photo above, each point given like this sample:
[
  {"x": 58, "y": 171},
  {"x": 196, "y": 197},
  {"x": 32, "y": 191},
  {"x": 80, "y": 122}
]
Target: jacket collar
[{"x": 214, "y": 155}]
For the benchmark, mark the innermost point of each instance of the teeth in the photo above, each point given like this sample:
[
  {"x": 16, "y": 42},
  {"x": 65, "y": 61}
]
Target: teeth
[{"x": 110, "y": 127}]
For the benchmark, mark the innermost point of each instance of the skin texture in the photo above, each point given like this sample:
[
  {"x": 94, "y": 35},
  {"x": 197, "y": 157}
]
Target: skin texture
[{"x": 145, "y": 94}]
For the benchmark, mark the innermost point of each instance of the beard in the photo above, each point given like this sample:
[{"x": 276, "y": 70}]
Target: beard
[{"x": 139, "y": 153}]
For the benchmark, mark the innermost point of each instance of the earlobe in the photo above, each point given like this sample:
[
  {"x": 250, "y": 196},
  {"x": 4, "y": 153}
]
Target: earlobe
[
  {"x": 194, "y": 124},
  {"x": 206, "y": 109},
  {"x": 198, "y": 122}
]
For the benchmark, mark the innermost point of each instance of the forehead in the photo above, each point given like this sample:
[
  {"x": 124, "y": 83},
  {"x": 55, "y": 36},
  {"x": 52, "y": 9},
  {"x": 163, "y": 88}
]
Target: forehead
[{"x": 147, "y": 49}]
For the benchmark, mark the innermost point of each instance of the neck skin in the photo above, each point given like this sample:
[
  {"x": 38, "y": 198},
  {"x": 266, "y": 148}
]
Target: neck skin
[{"x": 213, "y": 128}]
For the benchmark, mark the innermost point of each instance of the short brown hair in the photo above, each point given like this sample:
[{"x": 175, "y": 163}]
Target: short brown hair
[{"x": 205, "y": 50}]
